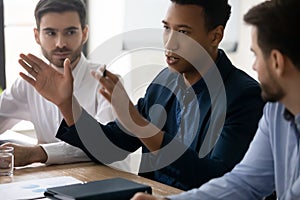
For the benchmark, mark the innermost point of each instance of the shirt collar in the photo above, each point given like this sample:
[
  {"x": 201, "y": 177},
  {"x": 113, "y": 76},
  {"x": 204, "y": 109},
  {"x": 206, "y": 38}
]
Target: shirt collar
[
  {"x": 292, "y": 118},
  {"x": 79, "y": 71},
  {"x": 288, "y": 116},
  {"x": 200, "y": 85}
]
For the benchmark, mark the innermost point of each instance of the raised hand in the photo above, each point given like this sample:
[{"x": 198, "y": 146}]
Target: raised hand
[
  {"x": 55, "y": 86},
  {"x": 127, "y": 114},
  {"x": 116, "y": 94}
]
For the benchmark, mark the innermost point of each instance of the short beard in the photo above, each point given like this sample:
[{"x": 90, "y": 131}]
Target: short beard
[
  {"x": 269, "y": 96},
  {"x": 60, "y": 64}
]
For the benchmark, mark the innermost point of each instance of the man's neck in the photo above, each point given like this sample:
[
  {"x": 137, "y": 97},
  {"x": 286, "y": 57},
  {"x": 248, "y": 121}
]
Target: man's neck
[
  {"x": 292, "y": 97},
  {"x": 194, "y": 76}
]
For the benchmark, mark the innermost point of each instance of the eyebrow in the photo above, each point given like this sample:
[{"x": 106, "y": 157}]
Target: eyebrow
[
  {"x": 179, "y": 25},
  {"x": 66, "y": 29}
]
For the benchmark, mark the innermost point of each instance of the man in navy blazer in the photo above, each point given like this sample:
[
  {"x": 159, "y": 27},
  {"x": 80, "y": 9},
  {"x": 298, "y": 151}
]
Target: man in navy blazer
[{"x": 197, "y": 118}]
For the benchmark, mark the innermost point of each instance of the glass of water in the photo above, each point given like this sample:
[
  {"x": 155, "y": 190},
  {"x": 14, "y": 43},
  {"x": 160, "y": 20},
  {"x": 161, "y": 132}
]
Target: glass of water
[{"x": 6, "y": 161}]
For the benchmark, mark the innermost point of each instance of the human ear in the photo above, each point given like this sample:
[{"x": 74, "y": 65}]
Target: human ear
[
  {"x": 85, "y": 34},
  {"x": 278, "y": 62},
  {"x": 216, "y": 35},
  {"x": 37, "y": 35}
]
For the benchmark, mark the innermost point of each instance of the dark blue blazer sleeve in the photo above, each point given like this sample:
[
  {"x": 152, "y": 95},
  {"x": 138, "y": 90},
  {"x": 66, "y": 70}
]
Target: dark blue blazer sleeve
[{"x": 102, "y": 143}]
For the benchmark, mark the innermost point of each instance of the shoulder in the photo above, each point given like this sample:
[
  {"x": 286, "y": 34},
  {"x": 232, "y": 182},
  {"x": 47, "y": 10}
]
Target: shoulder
[
  {"x": 241, "y": 89},
  {"x": 234, "y": 78},
  {"x": 274, "y": 109},
  {"x": 165, "y": 81},
  {"x": 240, "y": 80},
  {"x": 239, "y": 86},
  {"x": 165, "y": 76}
]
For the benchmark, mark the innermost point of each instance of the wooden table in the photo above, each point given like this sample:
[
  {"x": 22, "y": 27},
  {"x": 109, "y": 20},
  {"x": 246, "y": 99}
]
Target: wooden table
[{"x": 86, "y": 171}]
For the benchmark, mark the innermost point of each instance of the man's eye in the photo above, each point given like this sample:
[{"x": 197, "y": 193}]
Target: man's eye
[
  {"x": 71, "y": 32},
  {"x": 166, "y": 27},
  {"x": 183, "y": 31},
  {"x": 50, "y": 33}
]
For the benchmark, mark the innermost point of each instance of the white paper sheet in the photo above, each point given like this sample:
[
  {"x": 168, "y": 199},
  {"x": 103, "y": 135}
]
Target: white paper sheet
[{"x": 33, "y": 189}]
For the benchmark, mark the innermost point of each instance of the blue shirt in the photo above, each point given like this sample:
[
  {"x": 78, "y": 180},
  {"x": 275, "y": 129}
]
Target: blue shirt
[
  {"x": 172, "y": 106},
  {"x": 271, "y": 163}
]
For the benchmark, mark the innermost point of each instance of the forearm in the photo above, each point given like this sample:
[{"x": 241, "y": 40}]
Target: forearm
[
  {"x": 71, "y": 110},
  {"x": 148, "y": 133},
  {"x": 25, "y": 155},
  {"x": 61, "y": 152},
  {"x": 88, "y": 133}
]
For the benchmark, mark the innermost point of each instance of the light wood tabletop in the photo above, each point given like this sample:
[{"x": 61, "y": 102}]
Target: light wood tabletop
[{"x": 86, "y": 171}]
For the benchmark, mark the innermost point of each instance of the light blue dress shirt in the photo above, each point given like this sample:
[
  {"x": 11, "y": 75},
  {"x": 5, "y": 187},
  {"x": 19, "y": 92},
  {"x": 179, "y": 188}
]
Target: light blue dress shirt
[{"x": 271, "y": 163}]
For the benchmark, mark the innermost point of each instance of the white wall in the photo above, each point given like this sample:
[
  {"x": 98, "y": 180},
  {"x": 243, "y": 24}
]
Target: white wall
[
  {"x": 109, "y": 18},
  {"x": 243, "y": 57},
  {"x": 19, "y": 38},
  {"x": 105, "y": 21}
]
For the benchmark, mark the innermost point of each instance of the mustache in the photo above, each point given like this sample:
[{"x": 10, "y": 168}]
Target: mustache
[{"x": 61, "y": 50}]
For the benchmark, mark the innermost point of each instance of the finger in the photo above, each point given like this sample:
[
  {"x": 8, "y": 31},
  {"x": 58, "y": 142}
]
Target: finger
[
  {"x": 143, "y": 196},
  {"x": 111, "y": 76},
  {"x": 108, "y": 84},
  {"x": 106, "y": 95},
  {"x": 38, "y": 62},
  {"x": 29, "y": 69},
  {"x": 96, "y": 75},
  {"x": 103, "y": 70},
  {"x": 67, "y": 68},
  {"x": 7, "y": 144},
  {"x": 31, "y": 81},
  {"x": 29, "y": 60}
]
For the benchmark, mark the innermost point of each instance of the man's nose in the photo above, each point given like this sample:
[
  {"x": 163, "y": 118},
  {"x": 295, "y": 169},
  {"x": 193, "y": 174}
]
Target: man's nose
[
  {"x": 61, "y": 41},
  {"x": 171, "y": 41}
]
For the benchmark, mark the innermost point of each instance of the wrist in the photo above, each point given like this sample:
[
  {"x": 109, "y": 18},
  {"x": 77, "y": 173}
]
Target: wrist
[
  {"x": 38, "y": 154},
  {"x": 71, "y": 111}
]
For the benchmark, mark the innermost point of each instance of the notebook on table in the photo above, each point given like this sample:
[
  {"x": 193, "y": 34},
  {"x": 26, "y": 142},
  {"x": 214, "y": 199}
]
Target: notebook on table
[{"x": 109, "y": 189}]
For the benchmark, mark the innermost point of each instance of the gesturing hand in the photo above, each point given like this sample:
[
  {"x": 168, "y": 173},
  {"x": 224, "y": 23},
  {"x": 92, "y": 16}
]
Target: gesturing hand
[
  {"x": 113, "y": 90},
  {"x": 51, "y": 84},
  {"x": 127, "y": 114}
]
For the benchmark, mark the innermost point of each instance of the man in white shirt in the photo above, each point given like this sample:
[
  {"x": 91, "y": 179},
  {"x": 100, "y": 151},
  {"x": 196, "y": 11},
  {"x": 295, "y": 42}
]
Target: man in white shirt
[{"x": 61, "y": 32}]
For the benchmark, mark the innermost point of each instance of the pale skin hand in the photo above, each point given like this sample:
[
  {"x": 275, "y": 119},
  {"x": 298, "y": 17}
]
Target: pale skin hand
[
  {"x": 25, "y": 155},
  {"x": 54, "y": 86},
  {"x": 127, "y": 114},
  {"x": 143, "y": 196}
]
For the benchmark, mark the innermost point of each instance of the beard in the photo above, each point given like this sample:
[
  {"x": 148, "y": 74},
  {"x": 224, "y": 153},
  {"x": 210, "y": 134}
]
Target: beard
[
  {"x": 74, "y": 55},
  {"x": 272, "y": 93}
]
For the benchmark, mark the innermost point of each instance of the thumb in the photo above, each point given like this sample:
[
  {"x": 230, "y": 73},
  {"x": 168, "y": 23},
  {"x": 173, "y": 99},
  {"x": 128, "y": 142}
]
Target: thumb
[{"x": 67, "y": 68}]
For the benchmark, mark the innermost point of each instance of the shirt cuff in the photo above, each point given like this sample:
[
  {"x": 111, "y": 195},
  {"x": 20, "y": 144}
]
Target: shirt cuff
[{"x": 61, "y": 153}]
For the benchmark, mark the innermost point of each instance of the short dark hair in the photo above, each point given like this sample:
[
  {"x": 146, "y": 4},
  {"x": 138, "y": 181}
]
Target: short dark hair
[
  {"x": 217, "y": 12},
  {"x": 59, "y": 6},
  {"x": 277, "y": 27}
]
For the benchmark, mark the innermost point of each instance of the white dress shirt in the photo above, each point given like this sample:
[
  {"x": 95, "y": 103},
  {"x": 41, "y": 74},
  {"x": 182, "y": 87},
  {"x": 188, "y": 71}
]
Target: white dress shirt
[{"x": 22, "y": 102}]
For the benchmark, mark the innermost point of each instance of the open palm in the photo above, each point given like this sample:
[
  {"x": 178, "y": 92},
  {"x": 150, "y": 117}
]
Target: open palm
[{"x": 55, "y": 86}]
